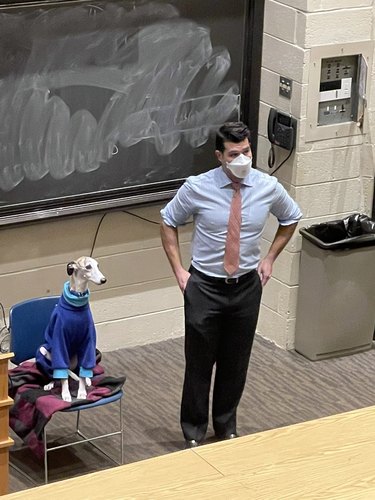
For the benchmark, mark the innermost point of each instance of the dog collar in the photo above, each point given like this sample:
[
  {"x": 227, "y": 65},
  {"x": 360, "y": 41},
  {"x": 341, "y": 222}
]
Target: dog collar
[{"x": 77, "y": 299}]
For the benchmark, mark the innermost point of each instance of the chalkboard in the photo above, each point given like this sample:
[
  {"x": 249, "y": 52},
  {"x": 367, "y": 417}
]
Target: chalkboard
[{"x": 108, "y": 103}]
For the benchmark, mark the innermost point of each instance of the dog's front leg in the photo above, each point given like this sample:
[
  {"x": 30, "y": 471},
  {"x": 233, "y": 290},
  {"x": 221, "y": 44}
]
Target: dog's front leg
[
  {"x": 45, "y": 353},
  {"x": 65, "y": 393},
  {"x": 82, "y": 393}
]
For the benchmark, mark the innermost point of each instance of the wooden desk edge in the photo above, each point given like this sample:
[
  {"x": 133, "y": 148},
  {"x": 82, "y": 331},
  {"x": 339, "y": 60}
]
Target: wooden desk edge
[
  {"x": 101, "y": 477},
  {"x": 7, "y": 355}
]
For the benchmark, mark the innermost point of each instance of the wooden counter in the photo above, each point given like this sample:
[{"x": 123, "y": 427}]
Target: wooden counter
[{"x": 329, "y": 458}]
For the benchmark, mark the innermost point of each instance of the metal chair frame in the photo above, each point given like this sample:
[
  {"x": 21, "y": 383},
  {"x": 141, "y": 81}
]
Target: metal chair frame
[
  {"x": 86, "y": 439},
  {"x": 36, "y": 332}
]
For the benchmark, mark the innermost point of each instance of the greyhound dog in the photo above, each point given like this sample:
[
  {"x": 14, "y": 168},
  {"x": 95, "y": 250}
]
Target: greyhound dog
[{"x": 70, "y": 337}]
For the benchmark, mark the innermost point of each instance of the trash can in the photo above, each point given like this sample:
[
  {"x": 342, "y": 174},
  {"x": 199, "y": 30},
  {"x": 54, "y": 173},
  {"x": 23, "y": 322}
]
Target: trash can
[{"x": 336, "y": 297}]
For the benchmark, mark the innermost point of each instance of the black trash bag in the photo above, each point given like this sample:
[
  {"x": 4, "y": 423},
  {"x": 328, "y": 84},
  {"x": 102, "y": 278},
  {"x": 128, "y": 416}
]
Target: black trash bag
[
  {"x": 358, "y": 224},
  {"x": 356, "y": 230},
  {"x": 329, "y": 232}
]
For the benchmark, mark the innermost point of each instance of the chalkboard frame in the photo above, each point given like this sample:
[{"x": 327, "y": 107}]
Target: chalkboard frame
[{"x": 146, "y": 193}]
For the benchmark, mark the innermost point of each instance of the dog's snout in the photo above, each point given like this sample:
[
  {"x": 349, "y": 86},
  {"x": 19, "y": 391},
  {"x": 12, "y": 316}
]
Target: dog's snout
[{"x": 103, "y": 280}]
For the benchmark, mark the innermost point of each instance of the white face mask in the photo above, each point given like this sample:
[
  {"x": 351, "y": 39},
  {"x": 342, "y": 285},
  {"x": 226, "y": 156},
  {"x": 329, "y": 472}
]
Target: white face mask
[{"x": 240, "y": 166}]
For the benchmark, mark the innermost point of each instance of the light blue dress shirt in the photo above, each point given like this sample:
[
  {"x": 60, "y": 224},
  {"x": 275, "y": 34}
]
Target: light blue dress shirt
[{"x": 207, "y": 198}]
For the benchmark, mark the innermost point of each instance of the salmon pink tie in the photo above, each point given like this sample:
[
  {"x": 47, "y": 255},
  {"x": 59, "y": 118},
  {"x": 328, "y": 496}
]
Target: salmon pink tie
[{"x": 232, "y": 244}]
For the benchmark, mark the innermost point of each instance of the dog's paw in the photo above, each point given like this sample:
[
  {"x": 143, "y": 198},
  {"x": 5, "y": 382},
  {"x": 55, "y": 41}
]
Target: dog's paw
[
  {"x": 88, "y": 381},
  {"x": 65, "y": 393},
  {"x": 49, "y": 386},
  {"x": 66, "y": 396},
  {"x": 82, "y": 394}
]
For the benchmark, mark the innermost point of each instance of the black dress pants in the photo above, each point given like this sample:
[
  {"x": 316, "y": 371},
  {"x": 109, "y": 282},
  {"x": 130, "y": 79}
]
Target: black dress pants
[{"x": 220, "y": 322}]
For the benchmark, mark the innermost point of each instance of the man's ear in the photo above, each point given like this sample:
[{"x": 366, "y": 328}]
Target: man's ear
[
  {"x": 219, "y": 155},
  {"x": 70, "y": 267}
]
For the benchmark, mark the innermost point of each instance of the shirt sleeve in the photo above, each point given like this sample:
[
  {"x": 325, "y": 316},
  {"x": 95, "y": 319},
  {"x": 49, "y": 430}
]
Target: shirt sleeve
[
  {"x": 181, "y": 207},
  {"x": 284, "y": 208}
]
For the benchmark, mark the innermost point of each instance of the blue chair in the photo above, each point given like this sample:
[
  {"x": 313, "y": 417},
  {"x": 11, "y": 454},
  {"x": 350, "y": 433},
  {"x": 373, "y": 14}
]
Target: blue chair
[{"x": 27, "y": 323}]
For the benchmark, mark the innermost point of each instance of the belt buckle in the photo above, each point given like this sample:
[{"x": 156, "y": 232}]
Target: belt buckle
[{"x": 231, "y": 281}]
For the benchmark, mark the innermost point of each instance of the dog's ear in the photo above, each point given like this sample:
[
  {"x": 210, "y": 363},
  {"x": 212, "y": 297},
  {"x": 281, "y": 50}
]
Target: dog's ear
[{"x": 70, "y": 268}]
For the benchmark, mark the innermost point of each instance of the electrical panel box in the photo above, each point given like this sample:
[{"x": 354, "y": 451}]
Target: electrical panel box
[
  {"x": 337, "y": 79},
  {"x": 338, "y": 84}
]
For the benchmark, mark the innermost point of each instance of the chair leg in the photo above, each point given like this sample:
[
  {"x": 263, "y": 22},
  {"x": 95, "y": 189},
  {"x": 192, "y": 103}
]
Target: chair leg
[
  {"x": 121, "y": 435},
  {"x": 120, "y": 431},
  {"x": 45, "y": 455},
  {"x": 77, "y": 422},
  {"x": 85, "y": 438}
]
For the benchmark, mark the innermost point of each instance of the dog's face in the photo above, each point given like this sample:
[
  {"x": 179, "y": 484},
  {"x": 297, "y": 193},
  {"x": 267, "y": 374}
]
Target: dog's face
[{"x": 86, "y": 268}]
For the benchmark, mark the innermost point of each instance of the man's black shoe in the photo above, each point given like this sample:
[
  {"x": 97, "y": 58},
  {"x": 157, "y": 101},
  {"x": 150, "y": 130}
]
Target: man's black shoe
[
  {"x": 225, "y": 437},
  {"x": 234, "y": 435},
  {"x": 191, "y": 443}
]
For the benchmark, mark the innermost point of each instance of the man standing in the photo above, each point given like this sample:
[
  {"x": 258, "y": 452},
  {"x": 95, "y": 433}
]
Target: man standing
[{"x": 222, "y": 289}]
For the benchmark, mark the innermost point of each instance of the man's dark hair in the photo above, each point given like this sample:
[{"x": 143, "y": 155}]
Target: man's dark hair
[{"x": 231, "y": 132}]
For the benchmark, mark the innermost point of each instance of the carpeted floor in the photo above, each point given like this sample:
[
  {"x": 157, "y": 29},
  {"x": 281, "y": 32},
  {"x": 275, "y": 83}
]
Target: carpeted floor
[{"x": 282, "y": 388}]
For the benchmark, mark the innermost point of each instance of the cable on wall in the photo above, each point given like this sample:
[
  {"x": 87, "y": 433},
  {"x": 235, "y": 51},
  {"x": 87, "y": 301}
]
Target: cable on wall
[{"x": 4, "y": 333}]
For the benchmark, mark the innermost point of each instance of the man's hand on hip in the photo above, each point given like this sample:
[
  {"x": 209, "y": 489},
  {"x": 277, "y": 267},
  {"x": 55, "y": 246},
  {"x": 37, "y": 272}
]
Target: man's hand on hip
[{"x": 182, "y": 278}]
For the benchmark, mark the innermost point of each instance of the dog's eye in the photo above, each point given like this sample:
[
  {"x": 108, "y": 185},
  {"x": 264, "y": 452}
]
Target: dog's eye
[{"x": 89, "y": 266}]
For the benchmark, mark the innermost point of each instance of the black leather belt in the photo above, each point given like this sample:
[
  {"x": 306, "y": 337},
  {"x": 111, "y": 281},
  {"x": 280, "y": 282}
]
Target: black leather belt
[{"x": 223, "y": 281}]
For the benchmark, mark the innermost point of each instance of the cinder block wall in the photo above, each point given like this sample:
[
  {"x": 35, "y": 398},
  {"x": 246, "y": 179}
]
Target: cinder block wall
[{"x": 330, "y": 178}]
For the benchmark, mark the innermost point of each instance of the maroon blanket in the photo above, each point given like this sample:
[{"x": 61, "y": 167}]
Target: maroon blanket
[{"x": 33, "y": 406}]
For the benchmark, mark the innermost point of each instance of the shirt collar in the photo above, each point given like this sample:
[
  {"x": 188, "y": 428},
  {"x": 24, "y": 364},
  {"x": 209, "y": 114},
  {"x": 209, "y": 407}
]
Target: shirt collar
[{"x": 224, "y": 181}]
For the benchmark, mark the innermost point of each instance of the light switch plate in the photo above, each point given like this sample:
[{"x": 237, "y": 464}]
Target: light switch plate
[{"x": 285, "y": 87}]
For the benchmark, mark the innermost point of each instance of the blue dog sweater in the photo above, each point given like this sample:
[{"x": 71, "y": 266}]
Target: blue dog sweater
[{"x": 70, "y": 332}]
